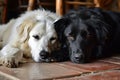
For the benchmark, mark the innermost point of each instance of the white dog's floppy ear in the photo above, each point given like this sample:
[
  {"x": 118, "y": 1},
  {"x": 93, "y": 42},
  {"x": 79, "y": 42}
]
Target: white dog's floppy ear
[{"x": 24, "y": 30}]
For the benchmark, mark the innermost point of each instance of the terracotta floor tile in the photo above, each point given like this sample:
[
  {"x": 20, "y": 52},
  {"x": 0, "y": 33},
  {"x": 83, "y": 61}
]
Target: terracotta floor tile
[
  {"x": 33, "y": 71},
  {"x": 67, "y": 70},
  {"x": 65, "y": 64},
  {"x": 94, "y": 66},
  {"x": 113, "y": 60},
  {"x": 108, "y": 75},
  {"x": 4, "y": 78},
  {"x": 7, "y": 74}
]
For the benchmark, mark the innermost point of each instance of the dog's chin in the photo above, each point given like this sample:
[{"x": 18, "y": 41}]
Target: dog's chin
[
  {"x": 42, "y": 60},
  {"x": 47, "y": 60},
  {"x": 80, "y": 61},
  {"x": 74, "y": 60}
]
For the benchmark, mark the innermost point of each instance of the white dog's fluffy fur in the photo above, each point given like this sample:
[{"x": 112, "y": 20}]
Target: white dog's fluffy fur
[{"x": 17, "y": 38}]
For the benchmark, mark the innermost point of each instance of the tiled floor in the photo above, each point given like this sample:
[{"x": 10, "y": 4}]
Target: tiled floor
[{"x": 105, "y": 69}]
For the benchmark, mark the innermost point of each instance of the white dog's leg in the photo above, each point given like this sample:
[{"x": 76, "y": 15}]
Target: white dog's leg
[{"x": 10, "y": 56}]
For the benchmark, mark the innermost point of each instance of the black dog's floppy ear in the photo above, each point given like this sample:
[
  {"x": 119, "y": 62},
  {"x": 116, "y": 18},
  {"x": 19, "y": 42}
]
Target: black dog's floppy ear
[
  {"x": 61, "y": 24},
  {"x": 100, "y": 26},
  {"x": 101, "y": 29}
]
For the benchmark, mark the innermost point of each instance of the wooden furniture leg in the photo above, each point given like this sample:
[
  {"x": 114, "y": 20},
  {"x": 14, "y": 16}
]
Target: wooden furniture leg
[
  {"x": 59, "y": 7},
  {"x": 30, "y": 5},
  {"x": 4, "y": 12}
]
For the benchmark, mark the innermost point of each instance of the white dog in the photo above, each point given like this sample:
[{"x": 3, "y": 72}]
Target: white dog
[{"x": 32, "y": 32}]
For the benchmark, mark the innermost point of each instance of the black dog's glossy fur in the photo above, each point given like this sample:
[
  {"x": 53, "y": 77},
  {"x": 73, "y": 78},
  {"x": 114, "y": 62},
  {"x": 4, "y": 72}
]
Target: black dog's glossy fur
[{"x": 89, "y": 33}]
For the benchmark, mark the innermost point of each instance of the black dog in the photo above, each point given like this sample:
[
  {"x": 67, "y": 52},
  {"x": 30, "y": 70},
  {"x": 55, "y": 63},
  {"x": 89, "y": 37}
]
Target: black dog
[{"x": 89, "y": 33}]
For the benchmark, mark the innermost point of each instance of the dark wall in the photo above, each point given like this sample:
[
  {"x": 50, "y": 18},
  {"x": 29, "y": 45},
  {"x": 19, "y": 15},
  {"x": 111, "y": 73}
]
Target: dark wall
[{"x": 12, "y": 9}]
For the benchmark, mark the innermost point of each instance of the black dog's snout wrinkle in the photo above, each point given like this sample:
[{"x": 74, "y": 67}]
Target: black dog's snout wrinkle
[
  {"x": 77, "y": 51},
  {"x": 43, "y": 54}
]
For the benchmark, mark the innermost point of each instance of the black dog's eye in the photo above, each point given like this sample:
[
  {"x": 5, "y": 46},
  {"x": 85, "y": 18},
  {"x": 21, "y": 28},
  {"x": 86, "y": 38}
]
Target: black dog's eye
[
  {"x": 83, "y": 33},
  {"x": 36, "y": 37}
]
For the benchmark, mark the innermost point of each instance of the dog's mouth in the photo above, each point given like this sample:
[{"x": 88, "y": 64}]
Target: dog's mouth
[
  {"x": 44, "y": 56},
  {"x": 78, "y": 58},
  {"x": 47, "y": 60},
  {"x": 54, "y": 56}
]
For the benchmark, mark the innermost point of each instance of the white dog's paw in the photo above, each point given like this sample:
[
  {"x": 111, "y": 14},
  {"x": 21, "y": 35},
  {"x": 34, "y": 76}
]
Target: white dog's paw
[
  {"x": 9, "y": 62},
  {"x": 10, "y": 57}
]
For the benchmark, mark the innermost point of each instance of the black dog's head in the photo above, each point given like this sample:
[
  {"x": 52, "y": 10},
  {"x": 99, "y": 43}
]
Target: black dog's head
[{"x": 84, "y": 33}]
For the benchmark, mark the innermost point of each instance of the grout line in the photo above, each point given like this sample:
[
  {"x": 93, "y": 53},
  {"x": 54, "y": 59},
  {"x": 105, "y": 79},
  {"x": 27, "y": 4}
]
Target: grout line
[
  {"x": 8, "y": 76},
  {"x": 116, "y": 57},
  {"x": 111, "y": 62},
  {"x": 90, "y": 73}
]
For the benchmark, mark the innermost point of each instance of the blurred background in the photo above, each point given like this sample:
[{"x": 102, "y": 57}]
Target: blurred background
[{"x": 13, "y": 8}]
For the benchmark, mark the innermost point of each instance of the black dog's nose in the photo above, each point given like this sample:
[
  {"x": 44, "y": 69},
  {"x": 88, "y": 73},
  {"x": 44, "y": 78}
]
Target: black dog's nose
[
  {"x": 43, "y": 54},
  {"x": 79, "y": 58}
]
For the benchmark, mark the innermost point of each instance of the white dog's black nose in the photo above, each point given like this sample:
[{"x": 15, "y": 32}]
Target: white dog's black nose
[{"x": 43, "y": 54}]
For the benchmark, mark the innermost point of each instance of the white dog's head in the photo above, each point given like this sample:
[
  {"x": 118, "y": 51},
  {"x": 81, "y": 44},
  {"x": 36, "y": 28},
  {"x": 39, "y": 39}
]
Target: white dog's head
[
  {"x": 43, "y": 40},
  {"x": 40, "y": 36}
]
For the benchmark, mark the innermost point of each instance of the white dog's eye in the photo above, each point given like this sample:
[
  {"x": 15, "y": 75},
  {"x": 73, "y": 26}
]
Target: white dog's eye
[
  {"x": 36, "y": 37},
  {"x": 53, "y": 39},
  {"x": 70, "y": 38}
]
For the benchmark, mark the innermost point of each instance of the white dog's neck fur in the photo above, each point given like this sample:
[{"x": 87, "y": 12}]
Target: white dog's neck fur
[{"x": 5, "y": 31}]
